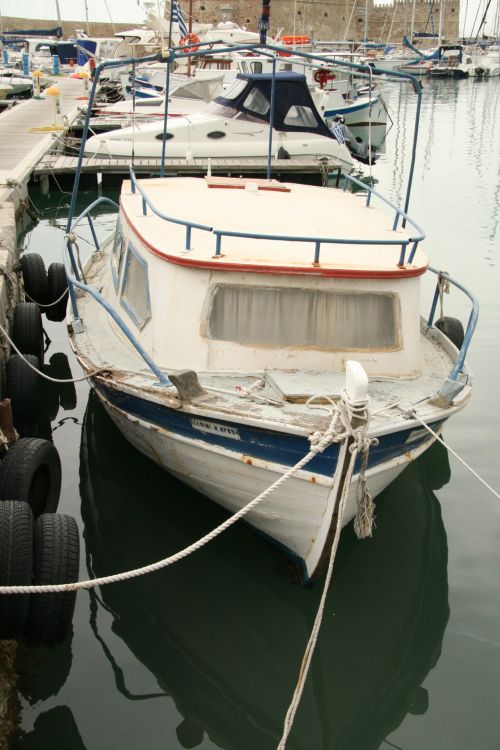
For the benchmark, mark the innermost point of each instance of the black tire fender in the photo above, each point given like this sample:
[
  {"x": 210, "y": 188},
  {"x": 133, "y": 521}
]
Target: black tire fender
[
  {"x": 35, "y": 277},
  {"x": 16, "y": 565},
  {"x": 452, "y": 329},
  {"x": 22, "y": 386},
  {"x": 27, "y": 331},
  {"x": 56, "y": 560},
  {"x": 57, "y": 283},
  {"x": 31, "y": 473}
]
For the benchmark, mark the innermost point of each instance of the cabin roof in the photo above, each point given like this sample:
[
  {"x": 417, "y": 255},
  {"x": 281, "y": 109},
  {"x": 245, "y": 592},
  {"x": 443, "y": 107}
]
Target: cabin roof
[{"x": 278, "y": 209}]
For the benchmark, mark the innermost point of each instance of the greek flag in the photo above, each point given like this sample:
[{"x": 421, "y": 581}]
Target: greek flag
[
  {"x": 337, "y": 131},
  {"x": 178, "y": 18}
]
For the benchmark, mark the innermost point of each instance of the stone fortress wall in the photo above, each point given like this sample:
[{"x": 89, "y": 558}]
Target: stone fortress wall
[{"x": 320, "y": 19}]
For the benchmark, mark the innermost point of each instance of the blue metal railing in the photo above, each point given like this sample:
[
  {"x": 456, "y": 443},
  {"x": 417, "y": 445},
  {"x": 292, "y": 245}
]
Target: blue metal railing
[
  {"x": 471, "y": 325},
  {"x": 318, "y": 241}
]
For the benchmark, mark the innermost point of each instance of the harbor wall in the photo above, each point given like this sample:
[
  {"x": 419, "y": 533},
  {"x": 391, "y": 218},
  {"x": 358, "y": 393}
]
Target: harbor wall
[
  {"x": 320, "y": 19},
  {"x": 69, "y": 28},
  {"x": 334, "y": 19}
]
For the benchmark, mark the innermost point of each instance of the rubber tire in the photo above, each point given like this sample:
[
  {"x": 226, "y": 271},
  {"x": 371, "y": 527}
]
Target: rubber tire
[
  {"x": 452, "y": 329},
  {"x": 57, "y": 282},
  {"x": 56, "y": 560},
  {"x": 16, "y": 565},
  {"x": 22, "y": 386},
  {"x": 31, "y": 473},
  {"x": 35, "y": 277},
  {"x": 27, "y": 331}
]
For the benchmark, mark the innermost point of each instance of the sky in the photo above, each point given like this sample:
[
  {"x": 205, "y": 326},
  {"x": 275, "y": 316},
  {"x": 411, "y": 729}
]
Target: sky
[{"x": 129, "y": 11}]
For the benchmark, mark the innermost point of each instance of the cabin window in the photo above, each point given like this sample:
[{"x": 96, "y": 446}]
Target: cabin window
[
  {"x": 303, "y": 318},
  {"x": 216, "y": 134},
  {"x": 135, "y": 288},
  {"x": 235, "y": 89},
  {"x": 300, "y": 117},
  {"x": 164, "y": 136},
  {"x": 117, "y": 256},
  {"x": 257, "y": 102},
  {"x": 256, "y": 67}
]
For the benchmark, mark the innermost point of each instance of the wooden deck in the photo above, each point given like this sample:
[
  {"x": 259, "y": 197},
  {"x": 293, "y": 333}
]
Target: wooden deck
[
  {"x": 59, "y": 164},
  {"x": 21, "y": 147}
]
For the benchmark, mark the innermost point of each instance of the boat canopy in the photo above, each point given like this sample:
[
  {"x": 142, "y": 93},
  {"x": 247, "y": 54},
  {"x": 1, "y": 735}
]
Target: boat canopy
[{"x": 294, "y": 109}]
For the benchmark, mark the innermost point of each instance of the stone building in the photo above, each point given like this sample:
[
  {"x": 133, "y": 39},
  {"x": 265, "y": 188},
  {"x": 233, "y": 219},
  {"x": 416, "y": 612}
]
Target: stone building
[
  {"x": 320, "y": 19},
  {"x": 334, "y": 19}
]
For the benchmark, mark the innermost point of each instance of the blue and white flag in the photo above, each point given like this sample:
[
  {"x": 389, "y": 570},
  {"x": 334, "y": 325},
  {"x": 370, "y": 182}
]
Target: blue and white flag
[{"x": 178, "y": 18}]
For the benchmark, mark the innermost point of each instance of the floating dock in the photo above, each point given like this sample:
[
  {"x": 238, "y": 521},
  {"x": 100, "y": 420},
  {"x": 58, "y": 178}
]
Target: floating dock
[{"x": 29, "y": 130}]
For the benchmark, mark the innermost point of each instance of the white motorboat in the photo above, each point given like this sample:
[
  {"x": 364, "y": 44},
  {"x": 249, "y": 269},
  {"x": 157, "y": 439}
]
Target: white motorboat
[
  {"x": 21, "y": 84},
  {"x": 228, "y": 311},
  {"x": 187, "y": 95},
  {"x": 236, "y": 124}
]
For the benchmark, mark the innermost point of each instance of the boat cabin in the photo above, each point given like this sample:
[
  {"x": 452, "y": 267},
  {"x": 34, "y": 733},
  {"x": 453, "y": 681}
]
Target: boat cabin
[{"x": 245, "y": 275}]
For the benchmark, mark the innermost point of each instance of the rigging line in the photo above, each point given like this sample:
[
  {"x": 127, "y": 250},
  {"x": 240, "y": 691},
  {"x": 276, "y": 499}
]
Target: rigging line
[
  {"x": 110, "y": 17},
  {"x": 475, "y": 19}
]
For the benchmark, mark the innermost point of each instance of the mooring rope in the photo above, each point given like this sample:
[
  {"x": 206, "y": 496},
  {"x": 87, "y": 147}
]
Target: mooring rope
[
  {"x": 43, "y": 374},
  {"x": 414, "y": 414},
  {"x": 319, "y": 443},
  {"x": 361, "y": 445}
]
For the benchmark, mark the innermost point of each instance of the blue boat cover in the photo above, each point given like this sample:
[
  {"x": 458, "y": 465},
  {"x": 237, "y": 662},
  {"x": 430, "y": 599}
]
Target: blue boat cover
[{"x": 291, "y": 93}]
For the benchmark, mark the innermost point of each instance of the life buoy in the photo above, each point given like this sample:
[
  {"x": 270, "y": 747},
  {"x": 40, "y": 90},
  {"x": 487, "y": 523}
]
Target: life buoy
[
  {"x": 322, "y": 76},
  {"x": 191, "y": 42}
]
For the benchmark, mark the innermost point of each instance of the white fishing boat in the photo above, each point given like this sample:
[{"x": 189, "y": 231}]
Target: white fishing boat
[
  {"x": 227, "y": 313},
  {"x": 236, "y": 124}
]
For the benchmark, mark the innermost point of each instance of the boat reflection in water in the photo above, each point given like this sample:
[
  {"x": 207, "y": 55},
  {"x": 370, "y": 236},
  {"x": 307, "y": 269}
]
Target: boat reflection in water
[{"x": 224, "y": 630}]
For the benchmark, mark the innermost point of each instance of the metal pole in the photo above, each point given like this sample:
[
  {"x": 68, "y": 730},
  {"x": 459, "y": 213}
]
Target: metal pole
[
  {"x": 271, "y": 120},
  {"x": 165, "y": 115}
]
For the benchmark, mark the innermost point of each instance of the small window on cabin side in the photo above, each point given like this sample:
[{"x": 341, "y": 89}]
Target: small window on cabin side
[
  {"x": 300, "y": 117},
  {"x": 135, "y": 288},
  {"x": 256, "y": 67},
  {"x": 117, "y": 257},
  {"x": 160, "y": 136},
  {"x": 257, "y": 102},
  {"x": 303, "y": 318}
]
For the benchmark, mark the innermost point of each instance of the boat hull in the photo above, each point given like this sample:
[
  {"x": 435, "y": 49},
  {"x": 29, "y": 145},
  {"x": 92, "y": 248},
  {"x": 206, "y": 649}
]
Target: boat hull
[{"x": 295, "y": 516}]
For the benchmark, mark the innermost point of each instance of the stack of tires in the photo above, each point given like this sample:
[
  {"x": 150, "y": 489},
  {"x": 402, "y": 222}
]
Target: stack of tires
[
  {"x": 37, "y": 545},
  {"x": 22, "y": 384}
]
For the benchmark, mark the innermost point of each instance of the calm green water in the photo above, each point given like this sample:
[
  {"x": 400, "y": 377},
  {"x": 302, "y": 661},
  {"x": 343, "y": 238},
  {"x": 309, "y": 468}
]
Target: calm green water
[{"x": 206, "y": 654}]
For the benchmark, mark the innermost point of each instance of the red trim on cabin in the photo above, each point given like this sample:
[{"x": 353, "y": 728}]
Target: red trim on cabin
[{"x": 222, "y": 265}]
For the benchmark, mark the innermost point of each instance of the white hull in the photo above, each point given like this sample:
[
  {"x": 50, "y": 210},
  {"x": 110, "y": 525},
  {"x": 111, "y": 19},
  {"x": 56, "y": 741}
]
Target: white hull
[{"x": 294, "y": 516}]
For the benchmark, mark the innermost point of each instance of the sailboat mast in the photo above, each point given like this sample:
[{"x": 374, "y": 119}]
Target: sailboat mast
[
  {"x": 366, "y": 21},
  {"x": 87, "y": 17},
  {"x": 412, "y": 29},
  {"x": 441, "y": 14},
  {"x": 58, "y": 13}
]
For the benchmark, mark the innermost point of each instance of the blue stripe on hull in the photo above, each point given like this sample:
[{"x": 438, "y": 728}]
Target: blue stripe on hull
[{"x": 267, "y": 445}]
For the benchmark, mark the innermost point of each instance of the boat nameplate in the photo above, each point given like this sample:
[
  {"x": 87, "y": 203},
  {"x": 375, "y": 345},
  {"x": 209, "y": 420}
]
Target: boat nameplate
[{"x": 216, "y": 429}]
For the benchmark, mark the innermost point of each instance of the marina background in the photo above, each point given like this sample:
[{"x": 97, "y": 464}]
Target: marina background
[{"x": 205, "y": 654}]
